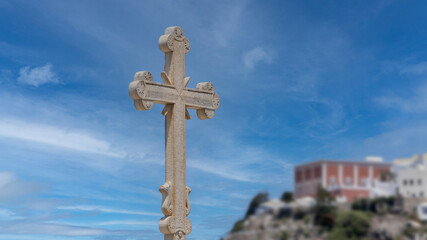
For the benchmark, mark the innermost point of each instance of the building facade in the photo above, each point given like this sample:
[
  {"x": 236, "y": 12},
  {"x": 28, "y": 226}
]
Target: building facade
[
  {"x": 411, "y": 176},
  {"x": 344, "y": 179},
  {"x": 412, "y": 183}
]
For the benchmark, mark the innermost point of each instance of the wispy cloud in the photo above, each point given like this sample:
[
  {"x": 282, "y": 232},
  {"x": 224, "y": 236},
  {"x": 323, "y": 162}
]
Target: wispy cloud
[
  {"x": 412, "y": 101},
  {"x": 255, "y": 56},
  {"x": 209, "y": 201},
  {"x": 419, "y": 68},
  {"x": 416, "y": 102},
  {"x": 398, "y": 142},
  {"x": 15, "y": 52},
  {"x": 6, "y": 214},
  {"x": 31, "y": 229},
  {"x": 12, "y": 188},
  {"x": 329, "y": 123},
  {"x": 56, "y": 136},
  {"x": 224, "y": 24},
  {"x": 223, "y": 172},
  {"x": 106, "y": 210},
  {"x": 37, "y": 76},
  {"x": 23, "y": 227},
  {"x": 5, "y": 75},
  {"x": 252, "y": 168},
  {"x": 133, "y": 223}
]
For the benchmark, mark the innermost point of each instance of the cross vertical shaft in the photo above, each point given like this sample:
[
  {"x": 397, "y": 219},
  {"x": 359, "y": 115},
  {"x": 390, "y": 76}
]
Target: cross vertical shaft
[
  {"x": 176, "y": 97},
  {"x": 175, "y": 157},
  {"x": 175, "y": 137}
]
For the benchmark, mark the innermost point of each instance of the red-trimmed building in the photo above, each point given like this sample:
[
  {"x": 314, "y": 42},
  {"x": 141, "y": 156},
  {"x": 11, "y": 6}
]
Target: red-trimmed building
[{"x": 347, "y": 180}]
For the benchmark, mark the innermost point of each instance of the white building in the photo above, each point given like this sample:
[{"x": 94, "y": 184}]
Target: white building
[{"x": 411, "y": 176}]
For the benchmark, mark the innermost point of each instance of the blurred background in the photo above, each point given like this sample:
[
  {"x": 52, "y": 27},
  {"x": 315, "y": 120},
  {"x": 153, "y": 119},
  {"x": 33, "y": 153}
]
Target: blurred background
[{"x": 298, "y": 81}]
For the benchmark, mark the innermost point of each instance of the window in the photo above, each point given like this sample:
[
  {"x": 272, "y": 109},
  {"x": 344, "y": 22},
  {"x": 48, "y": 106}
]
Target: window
[
  {"x": 318, "y": 172},
  {"x": 333, "y": 182},
  {"x": 405, "y": 182},
  {"x": 308, "y": 173},
  {"x": 420, "y": 181},
  {"x": 348, "y": 181},
  {"x": 421, "y": 194},
  {"x": 364, "y": 182},
  {"x": 299, "y": 176},
  {"x": 411, "y": 182}
]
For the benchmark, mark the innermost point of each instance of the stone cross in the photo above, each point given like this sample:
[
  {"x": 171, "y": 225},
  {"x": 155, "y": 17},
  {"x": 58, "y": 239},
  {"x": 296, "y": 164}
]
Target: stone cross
[{"x": 177, "y": 98}]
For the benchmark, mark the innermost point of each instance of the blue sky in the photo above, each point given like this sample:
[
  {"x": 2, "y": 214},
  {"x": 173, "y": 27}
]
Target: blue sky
[{"x": 298, "y": 81}]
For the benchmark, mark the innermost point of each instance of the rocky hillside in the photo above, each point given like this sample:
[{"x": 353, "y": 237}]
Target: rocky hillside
[{"x": 286, "y": 219}]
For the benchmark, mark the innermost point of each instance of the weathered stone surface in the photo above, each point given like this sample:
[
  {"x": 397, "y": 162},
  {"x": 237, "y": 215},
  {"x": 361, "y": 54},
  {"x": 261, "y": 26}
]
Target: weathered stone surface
[{"x": 177, "y": 98}]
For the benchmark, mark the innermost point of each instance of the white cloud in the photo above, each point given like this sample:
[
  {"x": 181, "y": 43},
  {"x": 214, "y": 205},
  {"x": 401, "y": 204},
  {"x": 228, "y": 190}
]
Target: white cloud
[
  {"x": 29, "y": 229},
  {"x": 243, "y": 171},
  {"x": 399, "y": 142},
  {"x": 227, "y": 173},
  {"x": 414, "y": 101},
  {"x": 38, "y": 75},
  {"x": 106, "y": 210},
  {"x": 327, "y": 121},
  {"x": 226, "y": 23},
  {"x": 56, "y": 136},
  {"x": 140, "y": 223},
  {"x": 209, "y": 201},
  {"x": 12, "y": 188},
  {"x": 256, "y": 55},
  {"x": 6, "y": 214},
  {"x": 417, "y": 102},
  {"x": 5, "y": 178},
  {"x": 419, "y": 68},
  {"x": 50, "y": 228}
]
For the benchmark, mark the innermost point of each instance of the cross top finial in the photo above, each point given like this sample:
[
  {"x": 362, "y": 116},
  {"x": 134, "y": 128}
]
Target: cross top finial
[
  {"x": 145, "y": 92},
  {"x": 172, "y": 34}
]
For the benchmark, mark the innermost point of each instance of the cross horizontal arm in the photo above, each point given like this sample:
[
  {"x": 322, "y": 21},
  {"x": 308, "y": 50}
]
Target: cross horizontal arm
[
  {"x": 145, "y": 92},
  {"x": 200, "y": 99},
  {"x": 160, "y": 93},
  {"x": 204, "y": 99}
]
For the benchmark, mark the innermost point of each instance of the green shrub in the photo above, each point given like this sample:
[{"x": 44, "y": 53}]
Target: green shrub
[
  {"x": 307, "y": 219},
  {"x": 361, "y": 204},
  {"x": 238, "y": 226},
  {"x": 287, "y": 197},
  {"x": 324, "y": 212},
  {"x": 300, "y": 214},
  {"x": 323, "y": 197},
  {"x": 382, "y": 204},
  {"x": 255, "y": 203},
  {"x": 324, "y": 216},
  {"x": 376, "y": 205},
  {"x": 350, "y": 225},
  {"x": 306, "y": 233},
  {"x": 284, "y": 236}
]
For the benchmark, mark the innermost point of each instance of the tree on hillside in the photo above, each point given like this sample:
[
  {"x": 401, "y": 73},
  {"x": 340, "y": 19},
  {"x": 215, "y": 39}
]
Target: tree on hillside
[
  {"x": 323, "y": 197},
  {"x": 324, "y": 211},
  {"x": 350, "y": 225},
  {"x": 256, "y": 202},
  {"x": 287, "y": 197}
]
